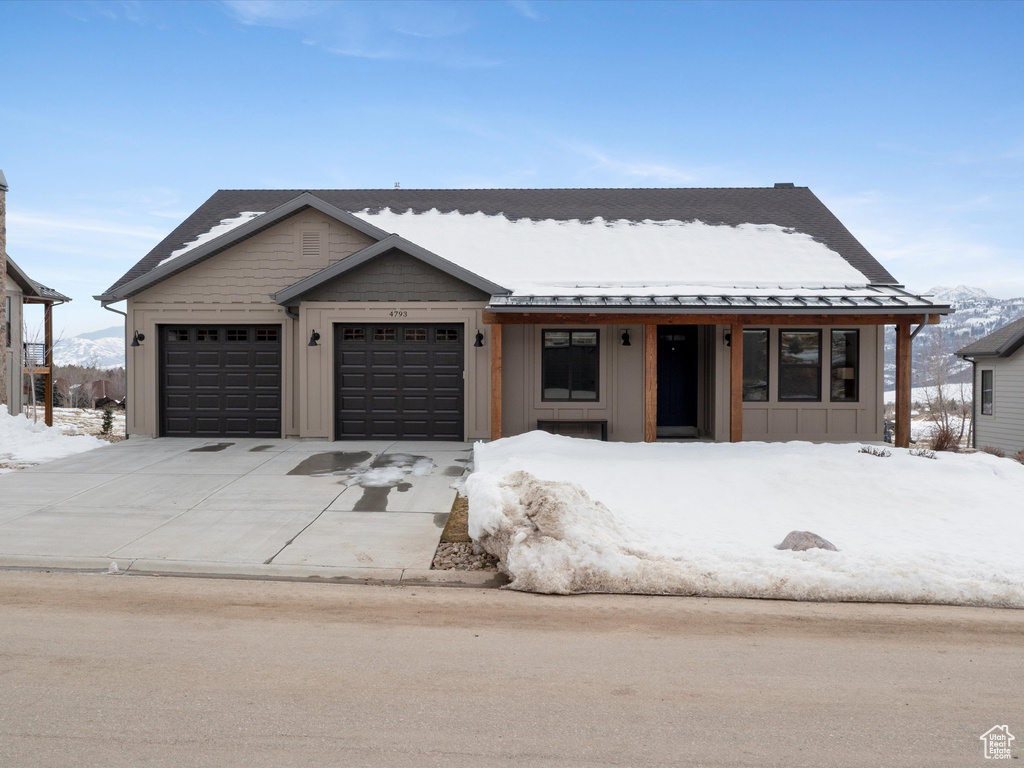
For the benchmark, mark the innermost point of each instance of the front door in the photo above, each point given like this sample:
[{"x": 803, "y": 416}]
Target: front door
[{"x": 677, "y": 381}]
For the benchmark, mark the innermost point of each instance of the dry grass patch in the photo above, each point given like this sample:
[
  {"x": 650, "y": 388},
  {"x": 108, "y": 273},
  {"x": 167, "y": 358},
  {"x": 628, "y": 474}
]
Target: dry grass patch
[{"x": 457, "y": 528}]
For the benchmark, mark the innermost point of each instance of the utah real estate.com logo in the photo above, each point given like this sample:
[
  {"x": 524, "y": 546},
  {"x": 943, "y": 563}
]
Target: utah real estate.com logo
[{"x": 997, "y": 742}]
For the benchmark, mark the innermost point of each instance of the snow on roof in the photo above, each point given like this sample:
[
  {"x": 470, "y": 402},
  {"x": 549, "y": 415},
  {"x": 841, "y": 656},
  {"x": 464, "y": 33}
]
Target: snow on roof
[
  {"x": 225, "y": 225},
  {"x": 603, "y": 257}
]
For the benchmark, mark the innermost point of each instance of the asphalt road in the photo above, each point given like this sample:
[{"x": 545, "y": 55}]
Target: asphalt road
[{"x": 149, "y": 671}]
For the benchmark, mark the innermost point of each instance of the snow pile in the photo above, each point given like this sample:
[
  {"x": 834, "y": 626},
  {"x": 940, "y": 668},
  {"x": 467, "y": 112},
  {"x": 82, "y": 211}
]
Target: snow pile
[
  {"x": 24, "y": 442},
  {"x": 677, "y": 256},
  {"x": 567, "y": 515},
  {"x": 225, "y": 226},
  {"x": 389, "y": 469}
]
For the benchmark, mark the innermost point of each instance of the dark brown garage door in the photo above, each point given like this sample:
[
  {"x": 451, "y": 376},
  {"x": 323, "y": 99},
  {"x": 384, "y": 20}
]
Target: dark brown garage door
[
  {"x": 398, "y": 381},
  {"x": 220, "y": 381}
]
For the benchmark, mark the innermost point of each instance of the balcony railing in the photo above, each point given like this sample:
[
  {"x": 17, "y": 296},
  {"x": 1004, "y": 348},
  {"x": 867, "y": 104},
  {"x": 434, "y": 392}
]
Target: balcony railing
[{"x": 35, "y": 355}]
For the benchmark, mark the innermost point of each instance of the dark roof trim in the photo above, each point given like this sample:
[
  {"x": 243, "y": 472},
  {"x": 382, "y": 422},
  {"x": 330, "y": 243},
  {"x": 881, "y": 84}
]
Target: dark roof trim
[
  {"x": 294, "y": 292},
  {"x": 718, "y": 309},
  {"x": 237, "y": 235},
  {"x": 1002, "y": 342},
  {"x": 31, "y": 288}
]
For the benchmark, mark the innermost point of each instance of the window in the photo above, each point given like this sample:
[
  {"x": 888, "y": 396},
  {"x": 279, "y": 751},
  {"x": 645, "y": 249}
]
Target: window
[
  {"x": 569, "y": 365},
  {"x": 237, "y": 334},
  {"x": 986, "y": 393},
  {"x": 446, "y": 334},
  {"x": 7, "y": 322},
  {"x": 800, "y": 365},
  {"x": 353, "y": 334},
  {"x": 206, "y": 334},
  {"x": 755, "y": 366},
  {"x": 384, "y": 334},
  {"x": 177, "y": 334},
  {"x": 415, "y": 334},
  {"x": 266, "y": 334},
  {"x": 845, "y": 362}
]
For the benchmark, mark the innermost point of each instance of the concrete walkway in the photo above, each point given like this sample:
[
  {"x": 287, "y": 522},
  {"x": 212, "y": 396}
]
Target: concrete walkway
[{"x": 370, "y": 510}]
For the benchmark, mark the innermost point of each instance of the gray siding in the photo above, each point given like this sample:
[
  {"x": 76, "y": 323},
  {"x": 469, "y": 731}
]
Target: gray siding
[
  {"x": 14, "y": 362},
  {"x": 1005, "y": 427},
  {"x": 396, "y": 276}
]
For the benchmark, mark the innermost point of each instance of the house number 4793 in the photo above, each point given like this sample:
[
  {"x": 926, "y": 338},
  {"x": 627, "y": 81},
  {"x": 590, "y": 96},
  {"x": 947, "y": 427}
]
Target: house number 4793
[{"x": 399, "y": 313}]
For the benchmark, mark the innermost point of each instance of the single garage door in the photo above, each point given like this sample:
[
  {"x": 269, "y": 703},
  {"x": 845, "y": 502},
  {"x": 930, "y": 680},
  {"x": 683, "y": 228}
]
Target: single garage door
[
  {"x": 399, "y": 381},
  {"x": 220, "y": 381}
]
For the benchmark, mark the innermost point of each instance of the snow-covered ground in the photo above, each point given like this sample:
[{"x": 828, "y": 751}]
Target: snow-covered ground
[
  {"x": 24, "y": 443},
  {"x": 704, "y": 519},
  {"x": 81, "y": 421},
  {"x": 952, "y": 392}
]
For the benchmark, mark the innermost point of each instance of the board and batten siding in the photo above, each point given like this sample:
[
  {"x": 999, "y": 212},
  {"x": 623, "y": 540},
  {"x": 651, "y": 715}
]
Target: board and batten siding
[{"x": 1004, "y": 428}]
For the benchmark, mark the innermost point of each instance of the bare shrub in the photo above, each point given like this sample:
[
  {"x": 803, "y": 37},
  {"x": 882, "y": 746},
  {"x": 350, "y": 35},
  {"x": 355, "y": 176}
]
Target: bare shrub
[
  {"x": 924, "y": 453},
  {"x": 1019, "y": 456},
  {"x": 945, "y": 438},
  {"x": 880, "y": 452},
  {"x": 995, "y": 451}
]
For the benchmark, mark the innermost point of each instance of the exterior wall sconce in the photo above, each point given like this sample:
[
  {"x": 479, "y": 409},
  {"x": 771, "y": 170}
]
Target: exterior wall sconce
[
  {"x": 313, "y": 338},
  {"x": 137, "y": 338},
  {"x": 625, "y": 338},
  {"x": 728, "y": 339},
  {"x": 479, "y": 340}
]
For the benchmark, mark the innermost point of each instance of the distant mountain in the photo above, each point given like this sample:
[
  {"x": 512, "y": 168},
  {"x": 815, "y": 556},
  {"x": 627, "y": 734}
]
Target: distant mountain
[
  {"x": 977, "y": 314},
  {"x": 102, "y": 349}
]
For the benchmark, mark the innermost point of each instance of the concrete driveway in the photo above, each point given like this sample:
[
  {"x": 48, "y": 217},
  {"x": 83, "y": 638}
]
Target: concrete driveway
[{"x": 357, "y": 510}]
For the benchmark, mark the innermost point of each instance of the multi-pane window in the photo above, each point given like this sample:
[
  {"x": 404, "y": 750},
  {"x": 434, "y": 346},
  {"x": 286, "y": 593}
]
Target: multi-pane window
[
  {"x": 237, "y": 334},
  {"x": 755, "y": 366},
  {"x": 206, "y": 334},
  {"x": 384, "y": 334},
  {"x": 446, "y": 334},
  {"x": 177, "y": 334},
  {"x": 266, "y": 334},
  {"x": 845, "y": 362},
  {"x": 353, "y": 334},
  {"x": 415, "y": 334},
  {"x": 800, "y": 365},
  {"x": 569, "y": 365},
  {"x": 986, "y": 393},
  {"x": 7, "y": 322}
]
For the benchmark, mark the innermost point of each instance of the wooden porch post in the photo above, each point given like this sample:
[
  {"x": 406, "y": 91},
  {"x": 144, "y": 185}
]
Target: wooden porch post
[
  {"x": 496, "y": 381},
  {"x": 650, "y": 383},
  {"x": 48, "y": 376},
  {"x": 736, "y": 384},
  {"x": 902, "y": 437}
]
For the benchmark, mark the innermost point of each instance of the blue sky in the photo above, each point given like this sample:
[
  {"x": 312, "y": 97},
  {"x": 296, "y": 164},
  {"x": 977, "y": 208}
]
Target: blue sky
[{"x": 117, "y": 120}]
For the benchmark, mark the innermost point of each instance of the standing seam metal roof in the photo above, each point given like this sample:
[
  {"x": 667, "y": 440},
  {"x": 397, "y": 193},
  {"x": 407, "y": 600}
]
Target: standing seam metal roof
[{"x": 794, "y": 208}]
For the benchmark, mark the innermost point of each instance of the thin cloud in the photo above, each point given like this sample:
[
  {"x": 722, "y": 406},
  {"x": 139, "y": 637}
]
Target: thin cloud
[
  {"x": 525, "y": 8},
  {"x": 644, "y": 170}
]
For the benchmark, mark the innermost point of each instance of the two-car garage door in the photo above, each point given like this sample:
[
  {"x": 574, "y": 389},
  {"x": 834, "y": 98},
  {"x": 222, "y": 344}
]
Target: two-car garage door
[{"x": 391, "y": 381}]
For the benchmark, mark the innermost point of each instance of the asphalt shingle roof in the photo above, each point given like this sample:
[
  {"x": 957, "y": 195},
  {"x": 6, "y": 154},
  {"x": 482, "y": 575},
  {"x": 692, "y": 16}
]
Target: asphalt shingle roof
[
  {"x": 1000, "y": 343},
  {"x": 790, "y": 207}
]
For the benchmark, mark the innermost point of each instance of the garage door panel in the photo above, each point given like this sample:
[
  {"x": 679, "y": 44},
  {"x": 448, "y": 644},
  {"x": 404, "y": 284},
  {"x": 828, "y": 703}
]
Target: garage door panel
[
  {"x": 218, "y": 387},
  {"x": 389, "y": 379}
]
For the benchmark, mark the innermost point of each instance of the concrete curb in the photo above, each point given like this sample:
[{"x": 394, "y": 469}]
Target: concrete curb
[{"x": 312, "y": 573}]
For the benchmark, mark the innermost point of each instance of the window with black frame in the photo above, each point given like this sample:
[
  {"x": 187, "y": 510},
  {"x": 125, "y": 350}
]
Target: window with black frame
[
  {"x": 986, "y": 393},
  {"x": 569, "y": 365},
  {"x": 800, "y": 366},
  {"x": 845, "y": 363},
  {"x": 755, "y": 366}
]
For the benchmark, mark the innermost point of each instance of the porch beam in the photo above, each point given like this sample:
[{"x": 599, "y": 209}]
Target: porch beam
[
  {"x": 48, "y": 376},
  {"x": 902, "y": 437},
  {"x": 736, "y": 384},
  {"x": 495, "y": 382},
  {"x": 650, "y": 383},
  {"x": 595, "y": 318}
]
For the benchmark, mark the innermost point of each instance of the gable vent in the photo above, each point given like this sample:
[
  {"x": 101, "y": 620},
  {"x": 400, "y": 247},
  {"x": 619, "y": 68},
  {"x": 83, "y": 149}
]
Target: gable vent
[{"x": 310, "y": 246}]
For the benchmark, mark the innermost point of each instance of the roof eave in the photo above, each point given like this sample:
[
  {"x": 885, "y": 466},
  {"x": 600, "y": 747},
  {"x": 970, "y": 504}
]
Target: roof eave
[
  {"x": 294, "y": 292},
  {"x": 238, "y": 234}
]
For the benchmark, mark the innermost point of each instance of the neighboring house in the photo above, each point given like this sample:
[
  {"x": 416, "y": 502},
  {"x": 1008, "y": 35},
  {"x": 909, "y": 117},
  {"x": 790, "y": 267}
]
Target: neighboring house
[
  {"x": 998, "y": 387},
  {"x": 718, "y": 314},
  {"x": 24, "y": 356}
]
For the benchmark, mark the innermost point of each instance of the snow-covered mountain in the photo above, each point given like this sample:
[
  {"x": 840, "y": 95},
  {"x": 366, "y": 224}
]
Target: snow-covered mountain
[
  {"x": 977, "y": 314},
  {"x": 102, "y": 349}
]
